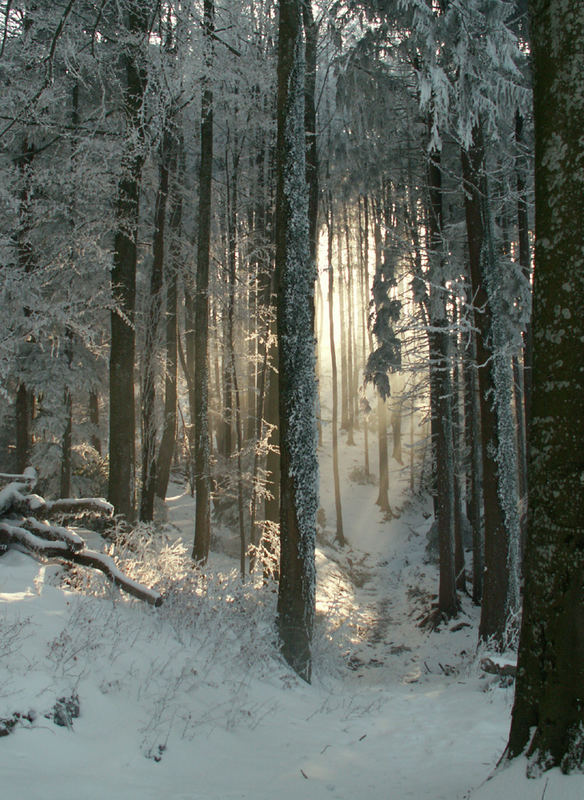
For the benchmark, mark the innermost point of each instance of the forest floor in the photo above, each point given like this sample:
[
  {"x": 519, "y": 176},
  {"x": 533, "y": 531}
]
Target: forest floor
[{"x": 192, "y": 700}]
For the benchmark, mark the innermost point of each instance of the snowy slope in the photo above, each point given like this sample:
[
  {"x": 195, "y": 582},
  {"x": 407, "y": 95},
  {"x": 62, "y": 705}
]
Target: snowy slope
[{"x": 193, "y": 701}]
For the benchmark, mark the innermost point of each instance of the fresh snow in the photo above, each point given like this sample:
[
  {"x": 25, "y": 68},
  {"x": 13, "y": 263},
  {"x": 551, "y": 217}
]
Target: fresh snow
[{"x": 192, "y": 701}]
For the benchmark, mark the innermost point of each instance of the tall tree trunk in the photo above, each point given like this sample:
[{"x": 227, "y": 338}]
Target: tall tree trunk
[
  {"x": 343, "y": 336},
  {"x": 350, "y": 370},
  {"x": 311, "y": 37},
  {"x": 296, "y": 275},
  {"x": 189, "y": 366},
  {"x": 340, "y": 536},
  {"x": 67, "y": 440},
  {"x": 169, "y": 424},
  {"x": 519, "y": 398},
  {"x": 548, "y": 714},
  {"x": 122, "y": 431},
  {"x": 24, "y": 402},
  {"x": 475, "y": 467},
  {"x": 364, "y": 280},
  {"x": 501, "y": 518},
  {"x": 383, "y": 495},
  {"x": 441, "y": 391},
  {"x": 458, "y": 466},
  {"x": 151, "y": 339},
  {"x": 201, "y": 432}
]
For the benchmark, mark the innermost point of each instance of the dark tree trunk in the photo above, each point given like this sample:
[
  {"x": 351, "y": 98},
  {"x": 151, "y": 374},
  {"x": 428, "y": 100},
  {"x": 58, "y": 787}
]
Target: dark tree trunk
[
  {"x": 519, "y": 397},
  {"x": 65, "y": 483},
  {"x": 364, "y": 281},
  {"x": 458, "y": 448},
  {"x": 383, "y": 496},
  {"x": 295, "y": 309},
  {"x": 441, "y": 391},
  {"x": 311, "y": 37},
  {"x": 343, "y": 337},
  {"x": 24, "y": 403},
  {"x": 201, "y": 336},
  {"x": 475, "y": 467},
  {"x": 396, "y": 434},
  {"x": 148, "y": 359},
  {"x": 67, "y": 440},
  {"x": 23, "y": 413},
  {"x": 497, "y": 579},
  {"x": 548, "y": 715},
  {"x": 94, "y": 420},
  {"x": 121, "y": 490}
]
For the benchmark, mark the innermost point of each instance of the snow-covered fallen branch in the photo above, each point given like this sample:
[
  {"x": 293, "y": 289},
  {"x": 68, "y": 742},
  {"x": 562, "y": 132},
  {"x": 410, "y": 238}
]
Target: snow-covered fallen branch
[{"x": 20, "y": 527}]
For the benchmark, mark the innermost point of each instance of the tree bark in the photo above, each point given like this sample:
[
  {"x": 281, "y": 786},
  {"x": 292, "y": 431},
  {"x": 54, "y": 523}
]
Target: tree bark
[
  {"x": 441, "y": 391},
  {"x": 295, "y": 308},
  {"x": 94, "y": 420},
  {"x": 350, "y": 370},
  {"x": 494, "y": 378},
  {"x": 201, "y": 336},
  {"x": 121, "y": 489},
  {"x": 548, "y": 714},
  {"x": 151, "y": 337},
  {"x": 24, "y": 403},
  {"x": 383, "y": 496},
  {"x": 475, "y": 467}
]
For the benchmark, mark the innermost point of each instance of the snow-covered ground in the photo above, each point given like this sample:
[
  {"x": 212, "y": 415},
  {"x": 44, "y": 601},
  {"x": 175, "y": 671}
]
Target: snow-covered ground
[{"x": 192, "y": 700}]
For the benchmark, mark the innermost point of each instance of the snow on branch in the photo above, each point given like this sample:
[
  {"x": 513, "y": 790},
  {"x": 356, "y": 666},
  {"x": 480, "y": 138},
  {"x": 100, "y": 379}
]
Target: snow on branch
[{"x": 20, "y": 527}]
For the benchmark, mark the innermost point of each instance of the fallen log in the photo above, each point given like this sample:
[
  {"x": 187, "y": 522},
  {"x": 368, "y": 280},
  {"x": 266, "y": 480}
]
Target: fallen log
[
  {"x": 17, "y": 535},
  {"x": 21, "y": 527}
]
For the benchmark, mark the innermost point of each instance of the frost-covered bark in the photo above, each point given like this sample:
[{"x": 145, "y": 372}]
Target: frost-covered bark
[
  {"x": 201, "y": 335},
  {"x": 548, "y": 715},
  {"x": 499, "y": 452},
  {"x": 295, "y": 308}
]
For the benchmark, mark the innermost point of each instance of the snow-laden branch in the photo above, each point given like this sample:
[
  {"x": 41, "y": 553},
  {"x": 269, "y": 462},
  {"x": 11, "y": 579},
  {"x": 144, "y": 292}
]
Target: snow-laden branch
[{"x": 20, "y": 527}]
